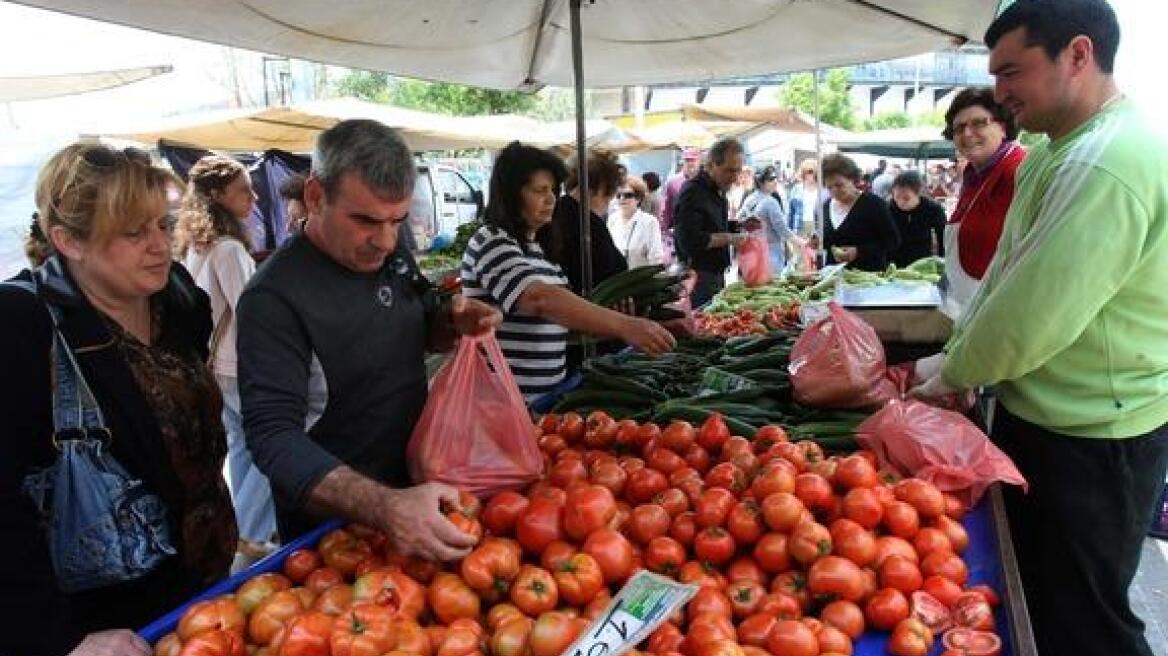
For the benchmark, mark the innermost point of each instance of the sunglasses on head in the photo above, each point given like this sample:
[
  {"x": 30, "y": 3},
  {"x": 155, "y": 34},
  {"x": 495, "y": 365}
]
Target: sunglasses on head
[
  {"x": 103, "y": 157},
  {"x": 626, "y": 195}
]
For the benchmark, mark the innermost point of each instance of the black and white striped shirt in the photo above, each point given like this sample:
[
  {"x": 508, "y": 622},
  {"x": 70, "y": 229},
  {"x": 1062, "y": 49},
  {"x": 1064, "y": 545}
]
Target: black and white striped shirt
[{"x": 496, "y": 270}]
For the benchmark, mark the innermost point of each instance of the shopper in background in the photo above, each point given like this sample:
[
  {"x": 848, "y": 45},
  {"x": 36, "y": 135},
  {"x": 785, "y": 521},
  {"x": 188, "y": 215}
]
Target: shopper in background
[
  {"x": 636, "y": 233},
  {"x": 691, "y": 162},
  {"x": 292, "y": 193},
  {"x": 762, "y": 211},
  {"x": 857, "y": 227},
  {"x": 1069, "y": 326},
  {"x": 210, "y": 239},
  {"x": 805, "y": 201},
  {"x": 920, "y": 220},
  {"x": 652, "y": 202},
  {"x": 983, "y": 131},
  {"x": 138, "y": 327}
]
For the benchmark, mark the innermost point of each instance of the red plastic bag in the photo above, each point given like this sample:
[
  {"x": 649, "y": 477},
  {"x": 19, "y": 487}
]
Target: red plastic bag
[
  {"x": 838, "y": 362},
  {"x": 939, "y": 446},
  {"x": 475, "y": 432},
  {"x": 754, "y": 261}
]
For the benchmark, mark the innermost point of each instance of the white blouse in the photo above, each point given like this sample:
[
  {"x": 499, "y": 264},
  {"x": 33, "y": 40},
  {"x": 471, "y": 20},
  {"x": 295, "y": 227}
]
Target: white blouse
[
  {"x": 638, "y": 239},
  {"x": 222, "y": 271}
]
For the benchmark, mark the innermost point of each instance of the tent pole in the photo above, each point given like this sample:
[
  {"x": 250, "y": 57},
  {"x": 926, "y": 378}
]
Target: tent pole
[
  {"x": 582, "y": 163},
  {"x": 818, "y": 135}
]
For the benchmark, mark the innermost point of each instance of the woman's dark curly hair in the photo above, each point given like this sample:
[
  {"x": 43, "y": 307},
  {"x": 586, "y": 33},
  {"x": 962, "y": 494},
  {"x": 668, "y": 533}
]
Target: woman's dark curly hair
[
  {"x": 513, "y": 169},
  {"x": 983, "y": 97}
]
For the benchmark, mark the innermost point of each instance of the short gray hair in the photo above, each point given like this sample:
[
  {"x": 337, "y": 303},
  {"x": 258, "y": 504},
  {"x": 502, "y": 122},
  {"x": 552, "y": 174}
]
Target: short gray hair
[
  {"x": 722, "y": 148},
  {"x": 372, "y": 150}
]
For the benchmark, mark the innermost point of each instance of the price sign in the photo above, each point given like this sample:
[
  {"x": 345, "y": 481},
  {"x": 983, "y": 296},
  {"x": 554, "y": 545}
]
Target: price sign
[{"x": 642, "y": 605}]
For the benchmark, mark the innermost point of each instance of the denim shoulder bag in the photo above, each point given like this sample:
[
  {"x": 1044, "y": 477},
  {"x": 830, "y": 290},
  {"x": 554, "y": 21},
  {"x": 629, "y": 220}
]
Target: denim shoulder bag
[{"x": 104, "y": 527}]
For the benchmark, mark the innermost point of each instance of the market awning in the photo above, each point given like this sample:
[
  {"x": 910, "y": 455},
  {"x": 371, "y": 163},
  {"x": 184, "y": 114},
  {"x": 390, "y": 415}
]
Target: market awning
[
  {"x": 787, "y": 120},
  {"x": 15, "y": 89},
  {"x": 294, "y": 129},
  {"x": 525, "y": 44},
  {"x": 909, "y": 143}
]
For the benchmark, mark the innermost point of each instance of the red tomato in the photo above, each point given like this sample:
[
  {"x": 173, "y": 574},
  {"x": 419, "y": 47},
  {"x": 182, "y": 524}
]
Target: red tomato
[
  {"x": 768, "y": 436},
  {"x": 333, "y": 601},
  {"x": 667, "y": 638},
  {"x": 363, "y": 630},
  {"x": 955, "y": 531},
  {"x": 853, "y": 542},
  {"x": 855, "y": 471},
  {"x": 307, "y": 634},
  {"x": 754, "y": 629},
  {"x": 572, "y": 427},
  {"x": 727, "y": 476},
  {"x": 792, "y": 638},
  {"x": 534, "y": 591},
  {"x": 900, "y": 573},
  {"x": 845, "y": 616},
  {"x": 833, "y": 641},
  {"x": 929, "y": 539},
  {"x": 954, "y": 508},
  {"x": 947, "y": 564},
  {"x": 588, "y": 508},
  {"x": 782, "y": 511},
  {"x": 697, "y": 458},
  {"x": 567, "y": 471},
  {"x": 835, "y": 577},
  {"x": 781, "y": 606},
  {"x": 921, "y": 495},
  {"x": 701, "y": 574},
  {"x": 673, "y": 500},
  {"x": 647, "y": 522},
  {"x": 901, "y": 519},
  {"x": 678, "y": 436},
  {"x": 540, "y": 524},
  {"x": 220, "y": 613},
  {"x": 930, "y": 612},
  {"x": 973, "y": 612},
  {"x": 665, "y": 460},
  {"x": 886, "y": 609},
  {"x": 255, "y": 590},
  {"x": 714, "y": 545},
  {"x": 709, "y": 600},
  {"x": 745, "y": 568},
  {"x": 300, "y": 563},
  {"x": 942, "y": 589},
  {"x": 644, "y": 484},
  {"x": 609, "y": 474},
  {"x": 745, "y": 597},
  {"x": 772, "y": 479},
  {"x": 713, "y": 507},
  {"x": 664, "y": 556},
  {"x": 579, "y": 579},
  {"x": 889, "y": 545},
  {"x": 502, "y": 511},
  {"x": 809, "y": 541},
  {"x": 552, "y": 633},
  {"x": 987, "y": 593},
  {"x": 271, "y": 615},
  {"x": 793, "y": 583},
  {"x": 910, "y": 638},
  {"x": 389, "y": 586},
  {"x": 684, "y": 528},
  {"x": 745, "y": 522},
  {"x": 214, "y": 643},
  {"x": 861, "y": 505},
  {"x": 713, "y": 433},
  {"x": 972, "y": 642},
  {"x": 613, "y": 552}
]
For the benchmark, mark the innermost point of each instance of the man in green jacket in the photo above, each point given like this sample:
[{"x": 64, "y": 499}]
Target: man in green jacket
[{"x": 1070, "y": 325}]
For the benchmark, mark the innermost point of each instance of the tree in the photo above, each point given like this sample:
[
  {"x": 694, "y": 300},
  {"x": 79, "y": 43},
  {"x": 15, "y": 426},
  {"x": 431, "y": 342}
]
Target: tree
[
  {"x": 887, "y": 120},
  {"x": 835, "y": 103},
  {"x": 439, "y": 97},
  {"x": 366, "y": 85}
]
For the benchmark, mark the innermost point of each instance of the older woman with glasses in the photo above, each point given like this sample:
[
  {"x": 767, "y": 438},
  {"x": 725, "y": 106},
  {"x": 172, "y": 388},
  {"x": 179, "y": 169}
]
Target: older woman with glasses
[
  {"x": 857, "y": 227},
  {"x": 636, "y": 233},
  {"x": 983, "y": 133}
]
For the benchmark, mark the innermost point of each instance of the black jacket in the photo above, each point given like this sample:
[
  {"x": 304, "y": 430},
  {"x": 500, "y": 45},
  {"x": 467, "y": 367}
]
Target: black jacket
[
  {"x": 868, "y": 227},
  {"x": 607, "y": 260},
  {"x": 701, "y": 210},
  {"x": 35, "y": 618},
  {"x": 918, "y": 229}
]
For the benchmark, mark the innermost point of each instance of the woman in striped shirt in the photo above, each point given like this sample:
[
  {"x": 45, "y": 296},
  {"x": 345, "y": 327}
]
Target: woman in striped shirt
[{"x": 504, "y": 266}]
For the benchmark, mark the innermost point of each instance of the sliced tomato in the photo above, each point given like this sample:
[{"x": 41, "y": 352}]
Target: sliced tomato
[
  {"x": 930, "y": 612},
  {"x": 972, "y": 642}
]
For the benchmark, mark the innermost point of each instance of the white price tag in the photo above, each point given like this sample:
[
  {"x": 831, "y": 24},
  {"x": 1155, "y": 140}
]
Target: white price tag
[{"x": 642, "y": 605}]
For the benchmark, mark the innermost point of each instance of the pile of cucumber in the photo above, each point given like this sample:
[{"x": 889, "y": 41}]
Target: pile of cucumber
[{"x": 649, "y": 287}]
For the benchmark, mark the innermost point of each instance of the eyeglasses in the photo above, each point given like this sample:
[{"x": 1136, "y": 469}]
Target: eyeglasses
[
  {"x": 978, "y": 124},
  {"x": 626, "y": 195}
]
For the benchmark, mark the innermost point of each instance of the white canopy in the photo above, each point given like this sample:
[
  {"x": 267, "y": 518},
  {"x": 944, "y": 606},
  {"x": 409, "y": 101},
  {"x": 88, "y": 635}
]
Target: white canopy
[
  {"x": 50, "y": 86},
  {"x": 524, "y": 44}
]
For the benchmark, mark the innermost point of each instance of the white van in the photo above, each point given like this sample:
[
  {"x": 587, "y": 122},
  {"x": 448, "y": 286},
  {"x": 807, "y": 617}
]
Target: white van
[{"x": 443, "y": 200}]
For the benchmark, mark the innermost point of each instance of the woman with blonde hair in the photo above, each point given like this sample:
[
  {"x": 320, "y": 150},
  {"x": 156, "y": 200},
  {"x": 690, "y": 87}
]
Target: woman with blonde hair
[
  {"x": 805, "y": 202},
  {"x": 210, "y": 239},
  {"x": 134, "y": 326}
]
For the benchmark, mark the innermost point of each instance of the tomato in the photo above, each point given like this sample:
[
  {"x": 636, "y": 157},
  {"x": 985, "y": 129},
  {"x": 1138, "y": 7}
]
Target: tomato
[
  {"x": 572, "y": 427},
  {"x": 701, "y": 574},
  {"x": 714, "y": 507},
  {"x": 768, "y": 435},
  {"x": 745, "y": 522},
  {"x": 973, "y": 612},
  {"x": 713, "y": 433},
  {"x": 644, "y": 484},
  {"x": 921, "y": 495},
  {"x": 678, "y": 436},
  {"x": 929, "y": 539},
  {"x": 772, "y": 553},
  {"x": 705, "y": 628},
  {"x": 613, "y": 552},
  {"x": 886, "y": 609},
  {"x": 667, "y": 638},
  {"x": 271, "y": 614},
  {"x": 490, "y": 568},
  {"x": 955, "y": 508},
  {"x": 534, "y": 590},
  {"x": 684, "y": 528},
  {"x": 343, "y": 551},
  {"x": 782, "y": 511},
  {"x": 300, "y": 563},
  {"x": 754, "y": 629},
  {"x": 709, "y": 600},
  {"x": 955, "y": 531},
  {"x": 772, "y": 480},
  {"x": 853, "y": 542},
  {"x": 900, "y": 573},
  {"x": 307, "y": 634},
  {"x": 609, "y": 475},
  {"x": 728, "y": 476},
  {"x": 793, "y": 583},
  {"x": 600, "y": 430},
  {"x": 910, "y": 638},
  {"x": 598, "y": 606},
  {"x": 552, "y": 444},
  {"x": 722, "y": 647},
  {"x": 792, "y": 638},
  {"x": 334, "y": 600},
  {"x": 745, "y": 568},
  {"x": 512, "y": 637},
  {"x": 888, "y": 545},
  {"x": 540, "y": 524},
  {"x": 501, "y": 613},
  {"x": 216, "y": 642},
  {"x": 665, "y": 460},
  {"x": 793, "y": 454},
  {"x": 579, "y": 579},
  {"x": 502, "y": 510},
  {"x": 855, "y": 471},
  {"x": 835, "y": 577},
  {"x": 664, "y": 556},
  {"x": 714, "y": 545},
  {"x": 255, "y": 590},
  {"x": 451, "y": 598},
  {"x": 813, "y": 490},
  {"x": 781, "y": 606},
  {"x": 464, "y": 638},
  {"x": 901, "y": 519},
  {"x": 862, "y": 506},
  {"x": 697, "y": 459},
  {"x": 947, "y": 564},
  {"x": 845, "y": 616},
  {"x": 833, "y": 641},
  {"x": 552, "y": 633},
  {"x": 363, "y": 630},
  {"x": 809, "y": 541},
  {"x": 566, "y": 471},
  {"x": 647, "y": 522},
  {"x": 322, "y": 579},
  {"x": 942, "y": 589},
  {"x": 221, "y": 613},
  {"x": 168, "y": 645},
  {"x": 930, "y": 612},
  {"x": 673, "y": 500},
  {"x": 987, "y": 593},
  {"x": 588, "y": 508},
  {"x": 556, "y": 554},
  {"x": 745, "y": 597},
  {"x": 736, "y": 445},
  {"x": 972, "y": 642},
  {"x": 391, "y": 587}
]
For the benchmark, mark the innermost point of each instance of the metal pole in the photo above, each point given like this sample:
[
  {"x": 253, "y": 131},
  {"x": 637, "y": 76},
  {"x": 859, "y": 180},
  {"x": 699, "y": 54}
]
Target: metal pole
[
  {"x": 582, "y": 162},
  {"x": 818, "y": 139}
]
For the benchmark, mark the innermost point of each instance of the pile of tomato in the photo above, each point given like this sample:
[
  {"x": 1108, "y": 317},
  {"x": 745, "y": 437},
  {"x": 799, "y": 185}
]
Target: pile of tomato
[
  {"x": 794, "y": 552},
  {"x": 742, "y": 322}
]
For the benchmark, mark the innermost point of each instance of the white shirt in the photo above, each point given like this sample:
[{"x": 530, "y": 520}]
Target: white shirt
[
  {"x": 638, "y": 239},
  {"x": 838, "y": 212},
  {"x": 811, "y": 200},
  {"x": 222, "y": 271}
]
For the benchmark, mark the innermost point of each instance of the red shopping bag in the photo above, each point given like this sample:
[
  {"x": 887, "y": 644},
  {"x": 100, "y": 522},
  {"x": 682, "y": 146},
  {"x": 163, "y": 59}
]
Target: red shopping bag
[
  {"x": 838, "y": 362},
  {"x": 475, "y": 432},
  {"x": 754, "y": 261},
  {"x": 939, "y": 446}
]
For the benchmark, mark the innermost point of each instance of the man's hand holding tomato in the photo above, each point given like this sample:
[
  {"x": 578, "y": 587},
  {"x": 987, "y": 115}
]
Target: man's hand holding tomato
[{"x": 414, "y": 521}]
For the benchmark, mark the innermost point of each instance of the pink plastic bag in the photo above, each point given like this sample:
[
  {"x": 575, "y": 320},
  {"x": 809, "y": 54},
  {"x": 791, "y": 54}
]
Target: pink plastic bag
[
  {"x": 838, "y": 362},
  {"x": 939, "y": 446},
  {"x": 754, "y": 261},
  {"x": 475, "y": 432}
]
